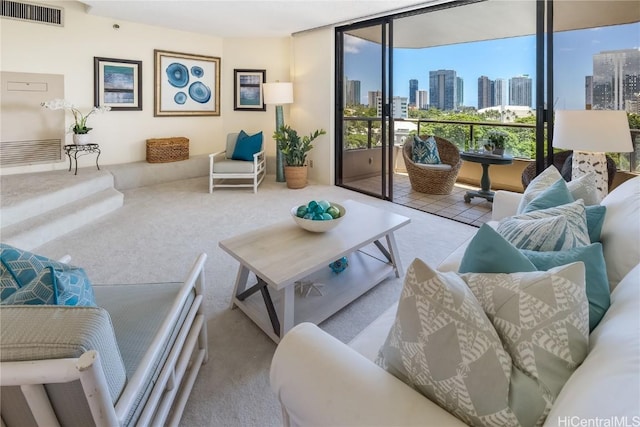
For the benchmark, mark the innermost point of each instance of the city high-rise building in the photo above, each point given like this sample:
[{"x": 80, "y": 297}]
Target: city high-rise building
[
  {"x": 373, "y": 96},
  {"x": 485, "y": 92},
  {"x": 520, "y": 91},
  {"x": 616, "y": 76},
  {"x": 500, "y": 92},
  {"x": 399, "y": 109},
  {"x": 443, "y": 90},
  {"x": 588, "y": 92},
  {"x": 423, "y": 100},
  {"x": 413, "y": 92},
  {"x": 353, "y": 92},
  {"x": 459, "y": 93}
]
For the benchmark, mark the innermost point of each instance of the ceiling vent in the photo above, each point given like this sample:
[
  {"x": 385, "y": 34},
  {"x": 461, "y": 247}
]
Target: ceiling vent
[{"x": 33, "y": 12}]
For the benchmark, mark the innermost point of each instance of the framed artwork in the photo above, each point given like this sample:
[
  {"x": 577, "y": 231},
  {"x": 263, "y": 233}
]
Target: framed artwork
[
  {"x": 247, "y": 90},
  {"x": 186, "y": 84},
  {"x": 117, "y": 83}
]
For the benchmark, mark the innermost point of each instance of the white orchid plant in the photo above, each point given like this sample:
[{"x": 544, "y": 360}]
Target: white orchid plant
[{"x": 80, "y": 125}]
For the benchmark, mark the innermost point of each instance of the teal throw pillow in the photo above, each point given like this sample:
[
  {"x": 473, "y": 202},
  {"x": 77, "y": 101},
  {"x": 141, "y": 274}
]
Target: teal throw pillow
[
  {"x": 555, "y": 195},
  {"x": 489, "y": 252},
  {"x": 247, "y": 146},
  {"x": 595, "y": 219},
  {"x": 39, "y": 291},
  {"x": 595, "y": 271},
  {"x": 8, "y": 283},
  {"x": 425, "y": 152},
  {"x": 41, "y": 280}
]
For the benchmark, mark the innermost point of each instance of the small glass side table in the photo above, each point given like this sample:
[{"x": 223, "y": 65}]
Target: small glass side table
[{"x": 74, "y": 150}]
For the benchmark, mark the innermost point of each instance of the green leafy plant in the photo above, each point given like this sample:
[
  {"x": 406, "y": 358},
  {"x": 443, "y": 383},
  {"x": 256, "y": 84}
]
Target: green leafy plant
[
  {"x": 80, "y": 120},
  {"x": 293, "y": 147},
  {"x": 498, "y": 138}
]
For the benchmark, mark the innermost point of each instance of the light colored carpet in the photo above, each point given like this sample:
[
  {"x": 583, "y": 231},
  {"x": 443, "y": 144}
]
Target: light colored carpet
[{"x": 160, "y": 230}]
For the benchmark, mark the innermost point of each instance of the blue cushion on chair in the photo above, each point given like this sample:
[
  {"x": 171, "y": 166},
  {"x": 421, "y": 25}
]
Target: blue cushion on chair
[
  {"x": 32, "y": 279},
  {"x": 425, "y": 152},
  {"x": 8, "y": 283},
  {"x": 247, "y": 146}
]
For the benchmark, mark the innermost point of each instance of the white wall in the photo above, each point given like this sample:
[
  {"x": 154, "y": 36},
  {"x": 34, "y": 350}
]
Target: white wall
[
  {"x": 313, "y": 107},
  {"x": 272, "y": 55},
  {"x": 69, "y": 50}
]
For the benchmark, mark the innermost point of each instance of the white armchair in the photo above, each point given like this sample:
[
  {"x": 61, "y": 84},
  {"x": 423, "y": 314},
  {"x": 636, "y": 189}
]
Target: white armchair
[{"x": 223, "y": 168}]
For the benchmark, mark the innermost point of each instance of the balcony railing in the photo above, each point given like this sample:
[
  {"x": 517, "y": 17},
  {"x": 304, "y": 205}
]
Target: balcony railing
[{"x": 364, "y": 132}]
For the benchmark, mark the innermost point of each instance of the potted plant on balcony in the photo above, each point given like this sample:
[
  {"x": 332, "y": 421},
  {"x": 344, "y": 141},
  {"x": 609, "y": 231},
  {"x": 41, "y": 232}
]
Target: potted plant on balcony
[
  {"x": 294, "y": 150},
  {"x": 497, "y": 138}
]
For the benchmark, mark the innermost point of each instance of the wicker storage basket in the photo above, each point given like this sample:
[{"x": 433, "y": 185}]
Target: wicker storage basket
[{"x": 164, "y": 150}]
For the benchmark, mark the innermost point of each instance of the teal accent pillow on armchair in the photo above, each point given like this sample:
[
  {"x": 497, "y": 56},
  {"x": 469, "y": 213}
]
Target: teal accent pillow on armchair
[
  {"x": 247, "y": 146},
  {"x": 39, "y": 280}
]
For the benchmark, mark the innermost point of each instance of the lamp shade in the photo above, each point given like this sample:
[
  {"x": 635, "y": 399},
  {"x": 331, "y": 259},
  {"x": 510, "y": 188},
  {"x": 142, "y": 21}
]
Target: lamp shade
[
  {"x": 278, "y": 93},
  {"x": 592, "y": 130}
]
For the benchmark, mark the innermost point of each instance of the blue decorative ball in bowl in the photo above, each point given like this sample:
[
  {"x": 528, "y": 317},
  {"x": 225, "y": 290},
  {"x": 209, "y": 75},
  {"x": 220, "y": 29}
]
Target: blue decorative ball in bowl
[{"x": 318, "y": 216}]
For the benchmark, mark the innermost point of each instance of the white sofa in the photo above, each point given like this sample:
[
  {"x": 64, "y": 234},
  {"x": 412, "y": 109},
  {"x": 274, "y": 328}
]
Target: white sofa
[{"x": 322, "y": 381}]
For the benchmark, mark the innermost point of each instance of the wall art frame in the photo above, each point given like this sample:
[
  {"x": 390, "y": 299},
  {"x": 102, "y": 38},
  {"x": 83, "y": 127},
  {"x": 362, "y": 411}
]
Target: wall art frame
[
  {"x": 117, "y": 83},
  {"x": 186, "y": 84},
  {"x": 247, "y": 90}
]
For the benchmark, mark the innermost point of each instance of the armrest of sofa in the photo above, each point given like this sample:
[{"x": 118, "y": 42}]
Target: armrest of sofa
[
  {"x": 505, "y": 203},
  {"x": 322, "y": 381}
]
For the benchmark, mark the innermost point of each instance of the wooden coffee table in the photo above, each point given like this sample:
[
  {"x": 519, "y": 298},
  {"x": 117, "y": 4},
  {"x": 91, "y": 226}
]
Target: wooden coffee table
[{"x": 281, "y": 255}]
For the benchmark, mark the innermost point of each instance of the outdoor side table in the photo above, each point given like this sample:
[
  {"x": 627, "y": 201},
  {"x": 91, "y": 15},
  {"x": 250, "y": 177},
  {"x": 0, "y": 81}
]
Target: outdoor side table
[
  {"x": 74, "y": 150},
  {"x": 485, "y": 159}
]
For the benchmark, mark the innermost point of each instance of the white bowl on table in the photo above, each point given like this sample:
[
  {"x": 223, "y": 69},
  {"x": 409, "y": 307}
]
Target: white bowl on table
[{"x": 318, "y": 226}]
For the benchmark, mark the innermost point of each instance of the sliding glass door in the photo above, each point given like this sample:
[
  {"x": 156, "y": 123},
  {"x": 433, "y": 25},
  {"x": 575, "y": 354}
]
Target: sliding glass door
[{"x": 363, "y": 140}]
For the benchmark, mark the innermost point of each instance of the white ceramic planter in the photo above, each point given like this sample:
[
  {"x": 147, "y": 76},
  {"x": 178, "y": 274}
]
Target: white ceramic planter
[{"x": 81, "y": 139}]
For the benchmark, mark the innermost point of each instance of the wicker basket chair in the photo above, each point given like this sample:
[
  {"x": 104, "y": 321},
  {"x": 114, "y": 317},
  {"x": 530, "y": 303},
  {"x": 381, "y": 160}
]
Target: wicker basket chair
[
  {"x": 562, "y": 162},
  {"x": 430, "y": 180}
]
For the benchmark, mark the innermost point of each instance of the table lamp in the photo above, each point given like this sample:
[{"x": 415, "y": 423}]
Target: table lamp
[
  {"x": 591, "y": 133},
  {"x": 277, "y": 94}
]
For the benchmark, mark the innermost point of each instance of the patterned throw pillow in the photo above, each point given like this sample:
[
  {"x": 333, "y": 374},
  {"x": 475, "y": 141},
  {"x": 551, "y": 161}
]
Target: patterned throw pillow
[
  {"x": 596, "y": 282},
  {"x": 443, "y": 345},
  {"x": 542, "y": 319},
  {"x": 8, "y": 283},
  {"x": 489, "y": 252},
  {"x": 425, "y": 152},
  {"x": 581, "y": 188},
  {"x": 559, "y": 194},
  {"x": 39, "y": 291},
  {"x": 552, "y": 229},
  {"x": 41, "y": 280}
]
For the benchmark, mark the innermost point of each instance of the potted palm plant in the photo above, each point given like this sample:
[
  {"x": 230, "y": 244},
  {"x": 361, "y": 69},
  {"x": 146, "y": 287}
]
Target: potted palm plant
[{"x": 294, "y": 150}]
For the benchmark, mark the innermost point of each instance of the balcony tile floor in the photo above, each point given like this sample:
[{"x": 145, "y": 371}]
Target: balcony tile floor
[{"x": 450, "y": 206}]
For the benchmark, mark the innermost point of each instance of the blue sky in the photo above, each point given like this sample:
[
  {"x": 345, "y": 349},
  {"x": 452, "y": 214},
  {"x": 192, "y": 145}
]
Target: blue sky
[{"x": 504, "y": 58}]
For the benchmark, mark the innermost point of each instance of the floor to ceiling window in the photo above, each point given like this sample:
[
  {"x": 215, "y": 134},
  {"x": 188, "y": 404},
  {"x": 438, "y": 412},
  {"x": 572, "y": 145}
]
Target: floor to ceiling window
[
  {"x": 466, "y": 68},
  {"x": 597, "y": 67}
]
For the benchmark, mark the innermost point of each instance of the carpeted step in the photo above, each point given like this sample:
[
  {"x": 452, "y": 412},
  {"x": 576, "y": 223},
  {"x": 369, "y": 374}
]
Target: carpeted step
[
  {"x": 30, "y": 195},
  {"x": 142, "y": 174},
  {"x": 40, "y": 229}
]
